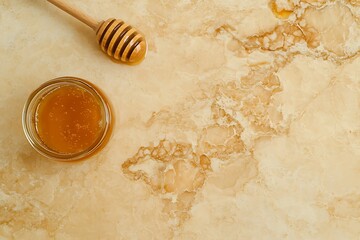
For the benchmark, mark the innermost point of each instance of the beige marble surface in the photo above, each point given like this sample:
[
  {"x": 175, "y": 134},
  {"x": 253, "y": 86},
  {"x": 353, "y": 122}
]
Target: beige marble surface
[{"x": 243, "y": 122}]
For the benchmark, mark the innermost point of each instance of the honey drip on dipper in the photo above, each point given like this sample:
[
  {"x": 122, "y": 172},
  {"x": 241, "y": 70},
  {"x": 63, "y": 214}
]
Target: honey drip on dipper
[{"x": 117, "y": 39}]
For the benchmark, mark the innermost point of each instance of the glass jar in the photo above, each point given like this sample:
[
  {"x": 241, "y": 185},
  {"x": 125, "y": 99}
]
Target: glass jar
[{"x": 67, "y": 119}]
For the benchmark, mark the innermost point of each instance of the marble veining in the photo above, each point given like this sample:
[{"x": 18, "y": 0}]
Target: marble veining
[{"x": 241, "y": 123}]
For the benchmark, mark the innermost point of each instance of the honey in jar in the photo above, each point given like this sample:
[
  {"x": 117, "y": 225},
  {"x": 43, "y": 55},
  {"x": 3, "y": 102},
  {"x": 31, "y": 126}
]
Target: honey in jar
[{"x": 67, "y": 119}]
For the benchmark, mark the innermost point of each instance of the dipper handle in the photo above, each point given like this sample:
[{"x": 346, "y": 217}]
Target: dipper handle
[{"x": 76, "y": 13}]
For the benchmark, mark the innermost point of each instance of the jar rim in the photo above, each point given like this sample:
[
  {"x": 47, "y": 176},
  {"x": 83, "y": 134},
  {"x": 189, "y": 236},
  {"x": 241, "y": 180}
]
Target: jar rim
[{"x": 33, "y": 101}]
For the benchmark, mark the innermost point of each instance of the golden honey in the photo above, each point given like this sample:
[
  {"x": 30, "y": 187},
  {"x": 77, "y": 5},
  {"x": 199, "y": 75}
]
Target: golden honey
[{"x": 67, "y": 119}]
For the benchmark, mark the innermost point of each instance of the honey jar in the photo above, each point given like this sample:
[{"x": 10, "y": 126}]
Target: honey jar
[{"x": 67, "y": 119}]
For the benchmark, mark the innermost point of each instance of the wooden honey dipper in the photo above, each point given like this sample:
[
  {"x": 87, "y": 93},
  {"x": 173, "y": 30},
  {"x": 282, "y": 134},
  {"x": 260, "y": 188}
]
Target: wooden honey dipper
[{"x": 117, "y": 39}]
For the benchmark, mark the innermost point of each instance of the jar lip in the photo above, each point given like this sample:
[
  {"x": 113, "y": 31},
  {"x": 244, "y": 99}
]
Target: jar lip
[{"x": 33, "y": 101}]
